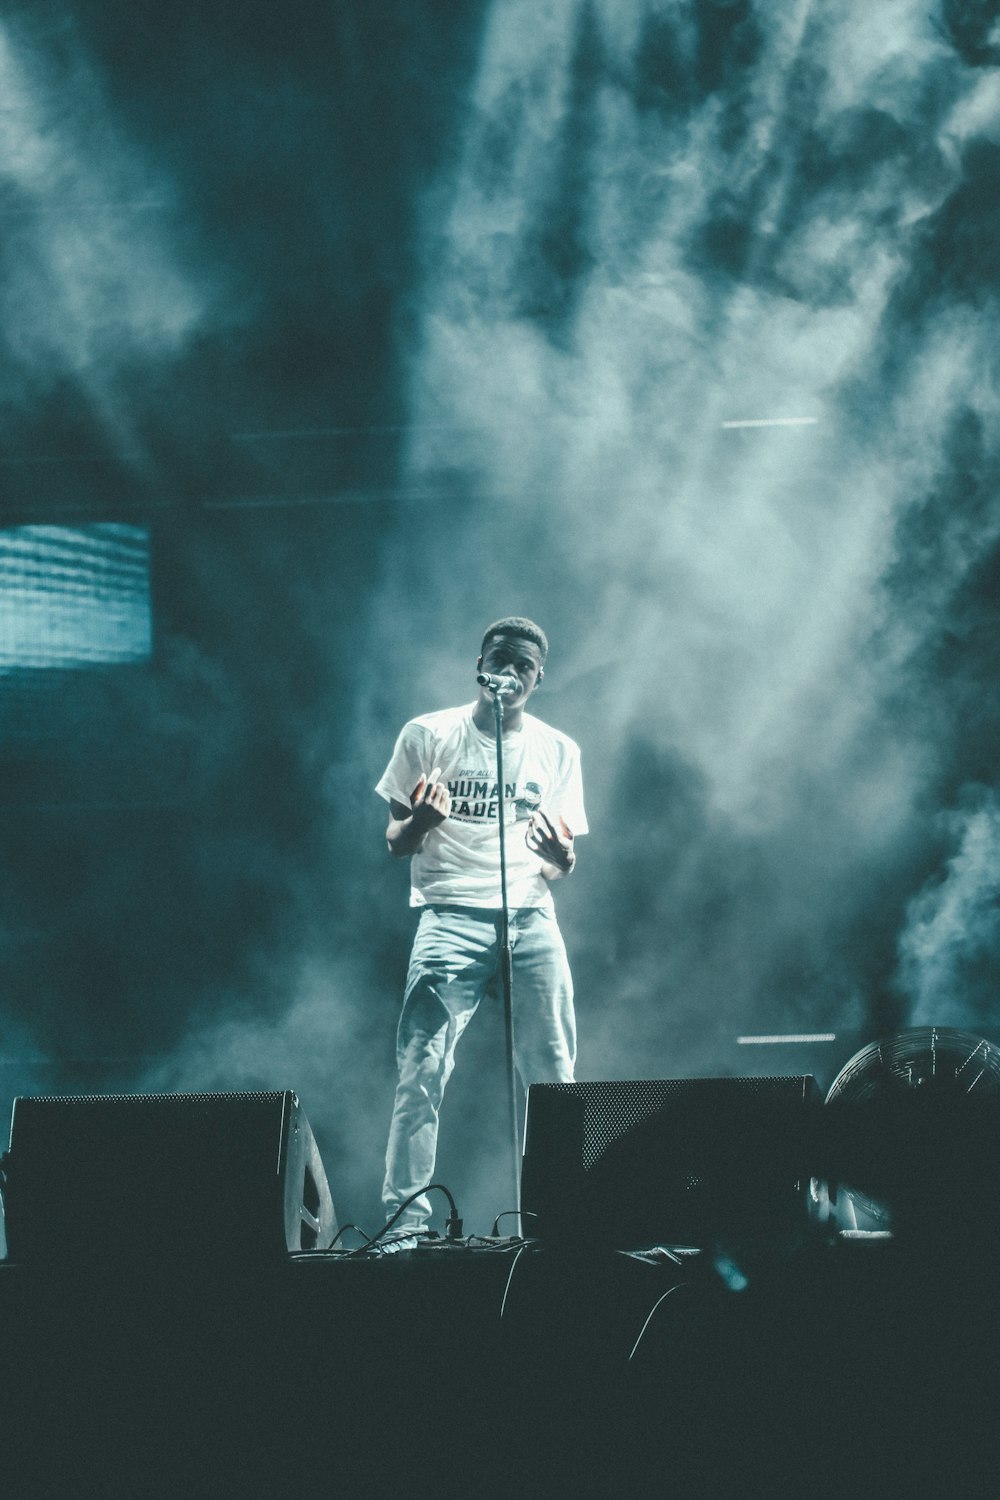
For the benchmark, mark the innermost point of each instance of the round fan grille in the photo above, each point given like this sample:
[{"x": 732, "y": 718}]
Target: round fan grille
[
  {"x": 929, "y": 1058},
  {"x": 913, "y": 1120}
]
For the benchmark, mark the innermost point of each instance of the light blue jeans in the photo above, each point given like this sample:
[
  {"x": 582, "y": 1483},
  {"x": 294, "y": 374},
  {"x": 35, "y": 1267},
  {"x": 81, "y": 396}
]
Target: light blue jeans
[{"x": 454, "y": 960}]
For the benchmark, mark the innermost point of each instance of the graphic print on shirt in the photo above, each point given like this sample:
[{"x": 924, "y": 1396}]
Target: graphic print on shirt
[{"x": 475, "y": 798}]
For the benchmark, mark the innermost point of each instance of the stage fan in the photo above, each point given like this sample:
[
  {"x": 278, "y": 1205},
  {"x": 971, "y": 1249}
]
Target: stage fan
[{"x": 913, "y": 1137}]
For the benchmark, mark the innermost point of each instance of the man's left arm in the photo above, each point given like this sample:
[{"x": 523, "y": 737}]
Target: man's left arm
[{"x": 553, "y": 843}]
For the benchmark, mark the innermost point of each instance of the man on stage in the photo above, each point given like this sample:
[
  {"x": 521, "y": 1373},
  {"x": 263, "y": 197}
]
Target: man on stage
[{"x": 444, "y": 802}]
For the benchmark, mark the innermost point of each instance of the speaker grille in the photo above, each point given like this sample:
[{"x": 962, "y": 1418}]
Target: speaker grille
[
  {"x": 673, "y": 1160},
  {"x": 141, "y": 1175},
  {"x": 262, "y": 1096},
  {"x": 612, "y": 1110}
]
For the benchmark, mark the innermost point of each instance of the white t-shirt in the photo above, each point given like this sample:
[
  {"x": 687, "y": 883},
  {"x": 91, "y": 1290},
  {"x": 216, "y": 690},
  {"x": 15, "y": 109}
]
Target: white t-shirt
[{"x": 459, "y": 860}]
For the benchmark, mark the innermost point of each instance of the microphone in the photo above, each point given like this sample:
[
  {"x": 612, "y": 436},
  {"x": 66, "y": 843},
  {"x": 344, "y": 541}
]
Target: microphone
[{"x": 499, "y": 684}]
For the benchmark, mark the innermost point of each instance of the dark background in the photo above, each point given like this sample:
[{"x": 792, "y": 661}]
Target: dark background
[{"x": 389, "y": 319}]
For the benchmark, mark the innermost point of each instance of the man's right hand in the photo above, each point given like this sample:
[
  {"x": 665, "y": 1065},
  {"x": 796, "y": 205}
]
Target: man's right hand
[
  {"x": 430, "y": 801},
  {"x": 430, "y": 804}
]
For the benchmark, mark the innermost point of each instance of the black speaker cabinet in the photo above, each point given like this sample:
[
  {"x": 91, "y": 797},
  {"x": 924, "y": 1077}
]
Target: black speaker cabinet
[
  {"x": 154, "y": 1176},
  {"x": 672, "y": 1161}
]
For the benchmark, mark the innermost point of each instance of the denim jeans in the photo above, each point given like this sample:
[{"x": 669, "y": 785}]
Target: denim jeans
[{"x": 455, "y": 958}]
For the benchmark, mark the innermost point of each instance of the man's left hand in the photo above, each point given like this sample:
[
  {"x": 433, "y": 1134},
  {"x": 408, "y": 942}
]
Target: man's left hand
[{"x": 553, "y": 845}]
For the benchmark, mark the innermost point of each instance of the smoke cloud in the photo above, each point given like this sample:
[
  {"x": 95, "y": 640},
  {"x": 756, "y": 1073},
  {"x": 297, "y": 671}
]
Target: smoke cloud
[
  {"x": 948, "y": 948},
  {"x": 94, "y": 281},
  {"x": 709, "y": 347}
]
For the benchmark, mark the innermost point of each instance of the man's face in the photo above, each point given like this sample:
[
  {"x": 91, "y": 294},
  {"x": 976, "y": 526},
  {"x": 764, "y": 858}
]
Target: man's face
[{"x": 515, "y": 656}]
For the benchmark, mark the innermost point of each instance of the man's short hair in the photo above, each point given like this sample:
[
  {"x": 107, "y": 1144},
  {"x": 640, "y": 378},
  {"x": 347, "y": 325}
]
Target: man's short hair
[{"x": 516, "y": 625}]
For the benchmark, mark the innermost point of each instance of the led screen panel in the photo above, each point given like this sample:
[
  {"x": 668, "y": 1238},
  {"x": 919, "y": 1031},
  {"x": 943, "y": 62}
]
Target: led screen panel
[{"x": 74, "y": 596}]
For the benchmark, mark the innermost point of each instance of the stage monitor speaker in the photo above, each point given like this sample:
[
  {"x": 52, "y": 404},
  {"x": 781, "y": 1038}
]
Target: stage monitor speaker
[
  {"x": 157, "y": 1176},
  {"x": 684, "y": 1161}
]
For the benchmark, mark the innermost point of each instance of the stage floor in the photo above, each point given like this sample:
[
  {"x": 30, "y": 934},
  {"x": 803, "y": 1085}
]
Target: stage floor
[{"x": 490, "y": 1367}]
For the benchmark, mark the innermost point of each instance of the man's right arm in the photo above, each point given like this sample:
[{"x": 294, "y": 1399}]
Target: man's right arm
[{"x": 430, "y": 804}]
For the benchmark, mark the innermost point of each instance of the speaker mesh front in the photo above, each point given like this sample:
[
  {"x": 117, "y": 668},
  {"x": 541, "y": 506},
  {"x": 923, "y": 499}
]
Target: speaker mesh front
[
  {"x": 673, "y": 1160},
  {"x": 122, "y": 1175},
  {"x": 269, "y": 1096},
  {"x": 611, "y": 1110}
]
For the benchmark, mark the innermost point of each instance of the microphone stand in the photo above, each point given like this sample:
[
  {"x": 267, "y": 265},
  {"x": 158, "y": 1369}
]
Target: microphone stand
[{"x": 506, "y": 958}]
